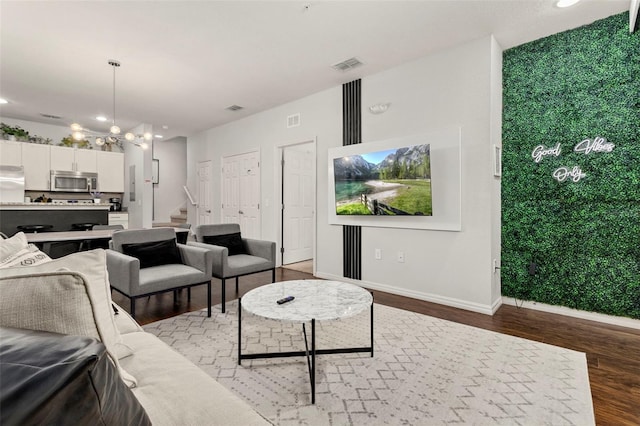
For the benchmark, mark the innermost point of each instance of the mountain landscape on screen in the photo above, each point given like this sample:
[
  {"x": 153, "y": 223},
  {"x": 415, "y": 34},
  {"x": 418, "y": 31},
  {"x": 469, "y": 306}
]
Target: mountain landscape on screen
[{"x": 394, "y": 182}]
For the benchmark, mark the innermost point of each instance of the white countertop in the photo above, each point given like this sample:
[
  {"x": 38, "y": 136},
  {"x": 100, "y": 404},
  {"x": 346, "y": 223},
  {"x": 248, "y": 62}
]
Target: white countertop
[{"x": 54, "y": 206}]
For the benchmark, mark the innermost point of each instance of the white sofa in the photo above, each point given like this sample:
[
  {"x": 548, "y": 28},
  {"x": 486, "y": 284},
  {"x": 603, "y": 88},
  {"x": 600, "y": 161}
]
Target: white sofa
[
  {"x": 173, "y": 390},
  {"x": 71, "y": 295}
]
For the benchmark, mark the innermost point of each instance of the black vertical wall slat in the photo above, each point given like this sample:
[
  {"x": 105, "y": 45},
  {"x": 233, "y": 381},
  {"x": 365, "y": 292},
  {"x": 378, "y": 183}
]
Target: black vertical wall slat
[{"x": 351, "y": 134}]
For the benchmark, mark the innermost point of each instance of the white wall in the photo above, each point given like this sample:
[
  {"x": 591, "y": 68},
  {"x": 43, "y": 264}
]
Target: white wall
[
  {"x": 168, "y": 195},
  {"x": 141, "y": 209},
  {"x": 456, "y": 87}
]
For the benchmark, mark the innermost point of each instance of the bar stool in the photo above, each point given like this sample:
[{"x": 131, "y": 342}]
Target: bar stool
[
  {"x": 84, "y": 245},
  {"x": 34, "y": 229}
]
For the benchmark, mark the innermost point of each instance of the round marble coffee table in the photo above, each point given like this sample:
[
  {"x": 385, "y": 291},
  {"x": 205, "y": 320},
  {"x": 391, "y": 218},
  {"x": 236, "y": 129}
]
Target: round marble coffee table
[{"x": 313, "y": 300}]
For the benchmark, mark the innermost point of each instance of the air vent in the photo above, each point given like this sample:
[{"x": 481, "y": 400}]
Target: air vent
[
  {"x": 55, "y": 117},
  {"x": 293, "y": 120},
  {"x": 234, "y": 108},
  {"x": 348, "y": 64}
]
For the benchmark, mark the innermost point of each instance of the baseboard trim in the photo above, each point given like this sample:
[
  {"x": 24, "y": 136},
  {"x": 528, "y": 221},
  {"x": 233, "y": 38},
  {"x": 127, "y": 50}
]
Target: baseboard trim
[
  {"x": 563, "y": 310},
  {"x": 427, "y": 297}
]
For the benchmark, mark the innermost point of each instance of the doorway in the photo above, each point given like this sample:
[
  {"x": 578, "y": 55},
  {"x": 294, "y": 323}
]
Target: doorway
[
  {"x": 203, "y": 208},
  {"x": 241, "y": 193},
  {"x": 298, "y": 195}
]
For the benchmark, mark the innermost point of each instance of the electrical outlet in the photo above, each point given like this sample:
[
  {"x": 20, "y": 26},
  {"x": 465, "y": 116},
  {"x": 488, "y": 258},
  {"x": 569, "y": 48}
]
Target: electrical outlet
[
  {"x": 400, "y": 257},
  {"x": 378, "y": 254}
]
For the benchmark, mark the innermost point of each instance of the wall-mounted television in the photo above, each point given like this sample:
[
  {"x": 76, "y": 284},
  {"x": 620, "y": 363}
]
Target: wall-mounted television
[
  {"x": 390, "y": 182},
  {"x": 411, "y": 182}
]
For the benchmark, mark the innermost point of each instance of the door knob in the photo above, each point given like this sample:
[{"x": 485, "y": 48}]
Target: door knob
[
  {"x": 240, "y": 212},
  {"x": 208, "y": 211}
]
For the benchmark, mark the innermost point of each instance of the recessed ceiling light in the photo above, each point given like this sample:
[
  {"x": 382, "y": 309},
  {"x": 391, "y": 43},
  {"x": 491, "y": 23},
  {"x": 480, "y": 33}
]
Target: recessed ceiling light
[
  {"x": 3, "y": 101},
  {"x": 165, "y": 127},
  {"x": 158, "y": 136},
  {"x": 101, "y": 118},
  {"x": 566, "y": 3}
]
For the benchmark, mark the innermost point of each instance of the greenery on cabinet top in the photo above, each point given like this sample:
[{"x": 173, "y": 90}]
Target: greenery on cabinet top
[{"x": 17, "y": 133}]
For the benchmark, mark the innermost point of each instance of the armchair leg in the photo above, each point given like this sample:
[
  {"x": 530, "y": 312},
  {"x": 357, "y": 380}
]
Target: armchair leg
[
  {"x": 224, "y": 295},
  {"x": 189, "y": 294},
  {"x": 132, "y": 307},
  {"x": 208, "y": 298},
  {"x": 236, "y": 285},
  {"x": 273, "y": 275}
]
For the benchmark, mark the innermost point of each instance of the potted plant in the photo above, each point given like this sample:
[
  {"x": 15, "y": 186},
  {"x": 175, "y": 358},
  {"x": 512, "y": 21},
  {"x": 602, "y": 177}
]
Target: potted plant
[
  {"x": 96, "y": 196},
  {"x": 13, "y": 133},
  {"x": 71, "y": 142}
]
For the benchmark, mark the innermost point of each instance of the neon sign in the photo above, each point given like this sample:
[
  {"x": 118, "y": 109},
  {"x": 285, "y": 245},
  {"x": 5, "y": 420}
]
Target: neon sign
[
  {"x": 563, "y": 173},
  {"x": 598, "y": 144}
]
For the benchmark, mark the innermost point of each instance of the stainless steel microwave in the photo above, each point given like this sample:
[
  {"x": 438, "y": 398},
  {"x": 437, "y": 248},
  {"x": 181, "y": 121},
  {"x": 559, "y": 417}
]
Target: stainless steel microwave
[{"x": 62, "y": 181}]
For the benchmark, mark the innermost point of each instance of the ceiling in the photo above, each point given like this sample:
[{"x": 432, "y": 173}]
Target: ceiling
[{"x": 185, "y": 62}]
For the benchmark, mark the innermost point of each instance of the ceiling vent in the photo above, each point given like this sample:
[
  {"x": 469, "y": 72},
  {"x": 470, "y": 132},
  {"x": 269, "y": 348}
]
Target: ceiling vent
[
  {"x": 347, "y": 65},
  {"x": 234, "y": 108},
  {"x": 54, "y": 117},
  {"x": 293, "y": 120}
]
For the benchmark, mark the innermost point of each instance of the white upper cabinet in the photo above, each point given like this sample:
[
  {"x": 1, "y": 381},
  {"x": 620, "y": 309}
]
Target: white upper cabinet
[
  {"x": 110, "y": 171},
  {"x": 10, "y": 153},
  {"x": 35, "y": 160},
  {"x": 73, "y": 159}
]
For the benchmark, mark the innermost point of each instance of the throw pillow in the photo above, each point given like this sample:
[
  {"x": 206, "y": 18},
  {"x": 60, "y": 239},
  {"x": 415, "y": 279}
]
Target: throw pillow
[
  {"x": 11, "y": 246},
  {"x": 29, "y": 256},
  {"x": 69, "y": 295},
  {"x": 231, "y": 241},
  {"x": 154, "y": 253}
]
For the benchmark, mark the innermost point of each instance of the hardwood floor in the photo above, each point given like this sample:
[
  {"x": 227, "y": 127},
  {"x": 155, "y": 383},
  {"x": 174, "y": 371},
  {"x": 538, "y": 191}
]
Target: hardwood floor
[{"x": 613, "y": 352}]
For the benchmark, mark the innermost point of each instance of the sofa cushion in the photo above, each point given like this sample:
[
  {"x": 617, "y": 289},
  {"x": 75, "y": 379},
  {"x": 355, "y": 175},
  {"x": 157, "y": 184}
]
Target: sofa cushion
[
  {"x": 175, "y": 391},
  {"x": 154, "y": 253},
  {"x": 231, "y": 241},
  {"x": 49, "y": 378},
  {"x": 69, "y": 295}
]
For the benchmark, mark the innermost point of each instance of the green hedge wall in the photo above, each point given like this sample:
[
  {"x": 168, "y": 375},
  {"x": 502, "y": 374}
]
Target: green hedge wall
[{"x": 583, "y": 235}]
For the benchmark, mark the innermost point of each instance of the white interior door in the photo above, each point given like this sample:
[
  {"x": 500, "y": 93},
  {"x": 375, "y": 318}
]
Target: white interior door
[
  {"x": 298, "y": 194},
  {"x": 204, "y": 193},
  {"x": 241, "y": 192}
]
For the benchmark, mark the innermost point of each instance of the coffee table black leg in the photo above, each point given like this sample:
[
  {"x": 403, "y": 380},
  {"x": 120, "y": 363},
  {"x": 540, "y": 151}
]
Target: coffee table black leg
[
  {"x": 371, "y": 329},
  {"x": 313, "y": 361},
  {"x": 239, "y": 330},
  {"x": 311, "y": 357}
]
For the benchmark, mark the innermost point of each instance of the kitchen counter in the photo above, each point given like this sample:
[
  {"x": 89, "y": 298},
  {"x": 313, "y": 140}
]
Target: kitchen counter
[
  {"x": 61, "y": 216},
  {"x": 54, "y": 206}
]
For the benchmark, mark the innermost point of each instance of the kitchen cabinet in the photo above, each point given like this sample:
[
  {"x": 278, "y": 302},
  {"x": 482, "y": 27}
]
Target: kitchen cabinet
[
  {"x": 10, "y": 153},
  {"x": 110, "y": 171},
  {"x": 73, "y": 159},
  {"x": 119, "y": 218},
  {"x": 35, "y": 160}
]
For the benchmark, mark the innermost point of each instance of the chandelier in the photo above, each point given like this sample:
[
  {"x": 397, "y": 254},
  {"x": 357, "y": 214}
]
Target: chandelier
[{"x": 114, "y": 137}]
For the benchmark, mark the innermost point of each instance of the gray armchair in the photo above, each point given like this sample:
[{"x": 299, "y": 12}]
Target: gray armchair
[
  {"x": 144, "y": 262},
  {"x": 234, "y": 256}
]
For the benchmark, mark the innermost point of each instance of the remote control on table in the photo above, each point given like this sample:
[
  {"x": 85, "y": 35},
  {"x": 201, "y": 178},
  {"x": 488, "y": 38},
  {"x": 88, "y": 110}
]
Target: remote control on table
[{"x": 285, "y": 300}]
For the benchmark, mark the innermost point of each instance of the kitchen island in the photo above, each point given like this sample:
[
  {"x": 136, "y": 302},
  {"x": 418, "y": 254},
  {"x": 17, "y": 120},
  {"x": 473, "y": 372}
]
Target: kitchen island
[{"x": 61, "y": 217}]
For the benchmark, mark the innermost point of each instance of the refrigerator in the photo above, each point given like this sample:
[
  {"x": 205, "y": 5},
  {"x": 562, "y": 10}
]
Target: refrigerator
[{"x": 11, "y": 184}]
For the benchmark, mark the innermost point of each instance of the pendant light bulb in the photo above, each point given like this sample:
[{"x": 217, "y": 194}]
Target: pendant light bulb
[
  {"x": 115, "y": 130},
  {"x": 148, "y": 136},
  {"x": 75, "y": 127},
  {"x": 99, "y": 141},
  {"x": 129, "y": 136},
  {"x": 144, "y": 145},
  {"x": 78, "y": 136}
]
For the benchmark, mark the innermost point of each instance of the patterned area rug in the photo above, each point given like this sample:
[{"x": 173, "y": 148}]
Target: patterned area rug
[{"x": 425, "y": 371}]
